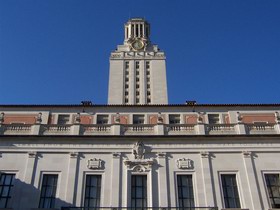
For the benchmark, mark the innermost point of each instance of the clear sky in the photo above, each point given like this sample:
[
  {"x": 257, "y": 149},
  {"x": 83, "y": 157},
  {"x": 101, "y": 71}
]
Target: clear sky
[{"x": 218, "y": 51}]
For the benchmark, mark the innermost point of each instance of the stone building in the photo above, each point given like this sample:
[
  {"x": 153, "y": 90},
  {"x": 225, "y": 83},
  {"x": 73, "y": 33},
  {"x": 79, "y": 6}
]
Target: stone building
[{"x": 139, "y": 152}]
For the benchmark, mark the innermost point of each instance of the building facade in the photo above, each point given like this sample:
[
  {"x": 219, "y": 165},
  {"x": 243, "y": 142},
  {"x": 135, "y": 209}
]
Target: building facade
[{"x": 139, "y": 156}]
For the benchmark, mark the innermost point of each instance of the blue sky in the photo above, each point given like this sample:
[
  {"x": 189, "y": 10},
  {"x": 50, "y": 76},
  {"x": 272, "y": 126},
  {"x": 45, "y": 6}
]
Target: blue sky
[{"x": 218, "y": 51}]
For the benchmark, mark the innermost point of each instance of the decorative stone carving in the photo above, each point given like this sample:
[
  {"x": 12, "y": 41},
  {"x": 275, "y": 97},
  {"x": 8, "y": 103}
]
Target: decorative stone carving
[
  {"x": 239, "y": 118},
  {"x": 78, "y": 118},
  {"x": 94, "y": 163},
  {"x": 204, "y": 154},
  {"x": 2, "y": 115},
  {"x": 200, "y": 118},
  {"x": 184, "y": 163},
  {"x": 116, "y": 155},
  {"x": 118, "y": 118},
  {"x": 138, "y": 150},
  {"x": 277, "y": 117},
  {"x": 32, "y": 154},
  {"x": 139, "y": 165},
  {"x": 247, "y": 154},
  {"x": 160, "y": 118},
  {"x": 39, "y": 118},
  {"x": 74, "y": 154}
]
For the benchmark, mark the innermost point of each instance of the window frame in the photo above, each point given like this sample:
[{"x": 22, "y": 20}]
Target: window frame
[
  {"x": 177, "y": 189},
  {"x": 212, "y": 114},
  {"x": 56, "y": 189},
  {"x": 138, "y": 115},
  {"x": 11, "y": 185},
  {"x": 102, "y": 115},
  {"x": 64, "y": 114},
  {"x": 145, "y": 192},
  {"x": 266, "y": 187},
  {"x": 236, "y": 174},
  {"x": 170, "y": 116}
]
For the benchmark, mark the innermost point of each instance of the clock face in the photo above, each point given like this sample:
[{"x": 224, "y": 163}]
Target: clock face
[{"x": 137, "y": 45}]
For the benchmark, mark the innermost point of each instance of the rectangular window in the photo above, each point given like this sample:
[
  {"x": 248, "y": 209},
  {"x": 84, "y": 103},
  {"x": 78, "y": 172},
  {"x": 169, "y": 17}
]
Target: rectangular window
[
  {"x": 138, "y": 119},
  {"x": 174, "y": 119},
  {"x": 273, "y": 189},
  {"x": 6, "y": 184},
  {"x": 185, "y": 191},
  {"x": 230, "y": 191},
  {"x": 48, "y": 191},
  {"x": 127, "y": 65},
  {"x": 137, "y": 65},
  {"x": 92, "y": 191},
  {"x": 63, "y": 119},
  {"x": 147, "y": 65},
  {"x": 213, "y": 118},
  {"x": 138, "y": 191},
  {"x": 102, "y": 119}
]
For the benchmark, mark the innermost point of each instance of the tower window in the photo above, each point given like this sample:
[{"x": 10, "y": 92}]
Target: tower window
[
  {"x": 137, "y": 79},
  {"x": 148, "y": 93},
  {"x": 126, "y": 86},
  {"x": 148, "y": 79},
  {"x": 126, "y": 64},
  {"x": 137, "y": 73},
  {"x": 126, "y": 100},
  {"x": 126, "y": 93},
  {"x": 137, "y": 93},
  {"x": 147, "y": 65},
  {"x": 148, "y": 100},
  {"x": 148, "y": 86},
  {"x": 148, "y": 73},
  {"x": 137, "y": 86},
  {"x": 137, "y": 64}
]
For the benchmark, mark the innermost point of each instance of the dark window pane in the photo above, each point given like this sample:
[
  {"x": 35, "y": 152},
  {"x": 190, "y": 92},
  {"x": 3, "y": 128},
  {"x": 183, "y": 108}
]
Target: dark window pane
[
  {"x": 48, "y": 191},
  {"x": 230, "y": 191},
  {"x": 273, "y": 188},
  {"x": 185, "y": 191},
  {"x": 92, "y": 192},
  {"x": 6, "y": 184},
  {"x": 138, "y": 191}
]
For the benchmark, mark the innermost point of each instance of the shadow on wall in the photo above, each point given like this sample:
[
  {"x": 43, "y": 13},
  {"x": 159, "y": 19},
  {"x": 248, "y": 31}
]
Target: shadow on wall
[{"x": 26, "y": 197}]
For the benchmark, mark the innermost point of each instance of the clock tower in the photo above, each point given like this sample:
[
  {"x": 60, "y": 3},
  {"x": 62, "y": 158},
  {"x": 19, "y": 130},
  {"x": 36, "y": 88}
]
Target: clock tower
[{"x": 137, "y": 68}]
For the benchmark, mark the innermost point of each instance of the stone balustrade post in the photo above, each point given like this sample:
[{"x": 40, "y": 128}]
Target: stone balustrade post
[
  {"x": 240, "y": 128},
  {"x": 116, "y": 129},
  {"x": 159, "y": 129},
  {"x": 35, "y": 129},
  {"x": 75, "y": 129},
  {"x": 200, "y": 129},
  {"x": 277, "y": 128}
]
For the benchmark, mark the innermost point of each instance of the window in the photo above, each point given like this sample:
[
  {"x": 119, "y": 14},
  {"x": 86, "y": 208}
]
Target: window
[
  {"x": 137, "y": 64},
  {"x": 126, "y": 86},
  {"x": 148, "y": 73},
  {"x": 213, "y": 118},
  {"x": 137, "y": 79},
  {"x": 273, "y": 189},
  {"x": 230, "y": 191},
  {"x": 185, "y": 191},
  {"x": 137, "y": 100},
  {"x": 137, "y": 73},
  {"x": 63, "y": 119},
  {"x": 148, "y": 100},
  {"x": 92, "y": 191},
  {"x": 126, "y": 100},
  {"x": 137, "y": 86},
  {"x": 138, "y": 119},
  {"x": 48, "y": 191},
  {"x": 174, "y": 119},
  {"x": 137, "y": 93},
  {"x": 126, "y": 64},
  {"x": 148, "y": 86},
  {"x": 102, "y": 119},
  {"x": 6, "y": 184},
  {"x": 138, "y": 191},
  {"x": 126, "y": 93},
  {"x": 147, "y": 65}
]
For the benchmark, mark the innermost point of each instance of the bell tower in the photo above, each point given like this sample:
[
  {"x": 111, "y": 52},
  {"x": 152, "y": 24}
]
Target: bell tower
[{"x": 137, "y": 68}]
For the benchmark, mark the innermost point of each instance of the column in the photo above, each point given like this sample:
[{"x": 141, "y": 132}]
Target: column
[
  {"x": 162, "y": 181},
  {"x": 209, "y": 190},
  {"x": 253, "y": 186},
  {"x": 116, "y": 181},
  {"x": 71, "y": 178}
]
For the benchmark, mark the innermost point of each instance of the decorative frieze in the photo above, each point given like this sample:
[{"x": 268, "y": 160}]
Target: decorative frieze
[
  {"x": 94, "y": 163},
  {"x": 184, "y": 163},
  {"x": 139, "y": 165}
]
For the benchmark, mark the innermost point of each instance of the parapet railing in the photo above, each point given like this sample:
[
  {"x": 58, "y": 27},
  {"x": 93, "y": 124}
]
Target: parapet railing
[
  {"x": 139, "y": 208},
  {"x": 140, "y": 129}
]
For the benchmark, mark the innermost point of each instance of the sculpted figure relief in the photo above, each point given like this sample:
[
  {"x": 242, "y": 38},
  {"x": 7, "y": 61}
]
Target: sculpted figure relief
[{"x": 138, "y": 150}]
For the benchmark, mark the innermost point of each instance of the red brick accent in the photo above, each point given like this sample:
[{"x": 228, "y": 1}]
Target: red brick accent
[
  {"x": 251, "y": 118},
  {"x": 26, "y": 119}
]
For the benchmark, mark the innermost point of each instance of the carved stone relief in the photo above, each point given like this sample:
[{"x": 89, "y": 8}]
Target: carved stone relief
[
  {"x": 94, "y": 163},
  {"x": 184, "y": 163}
]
